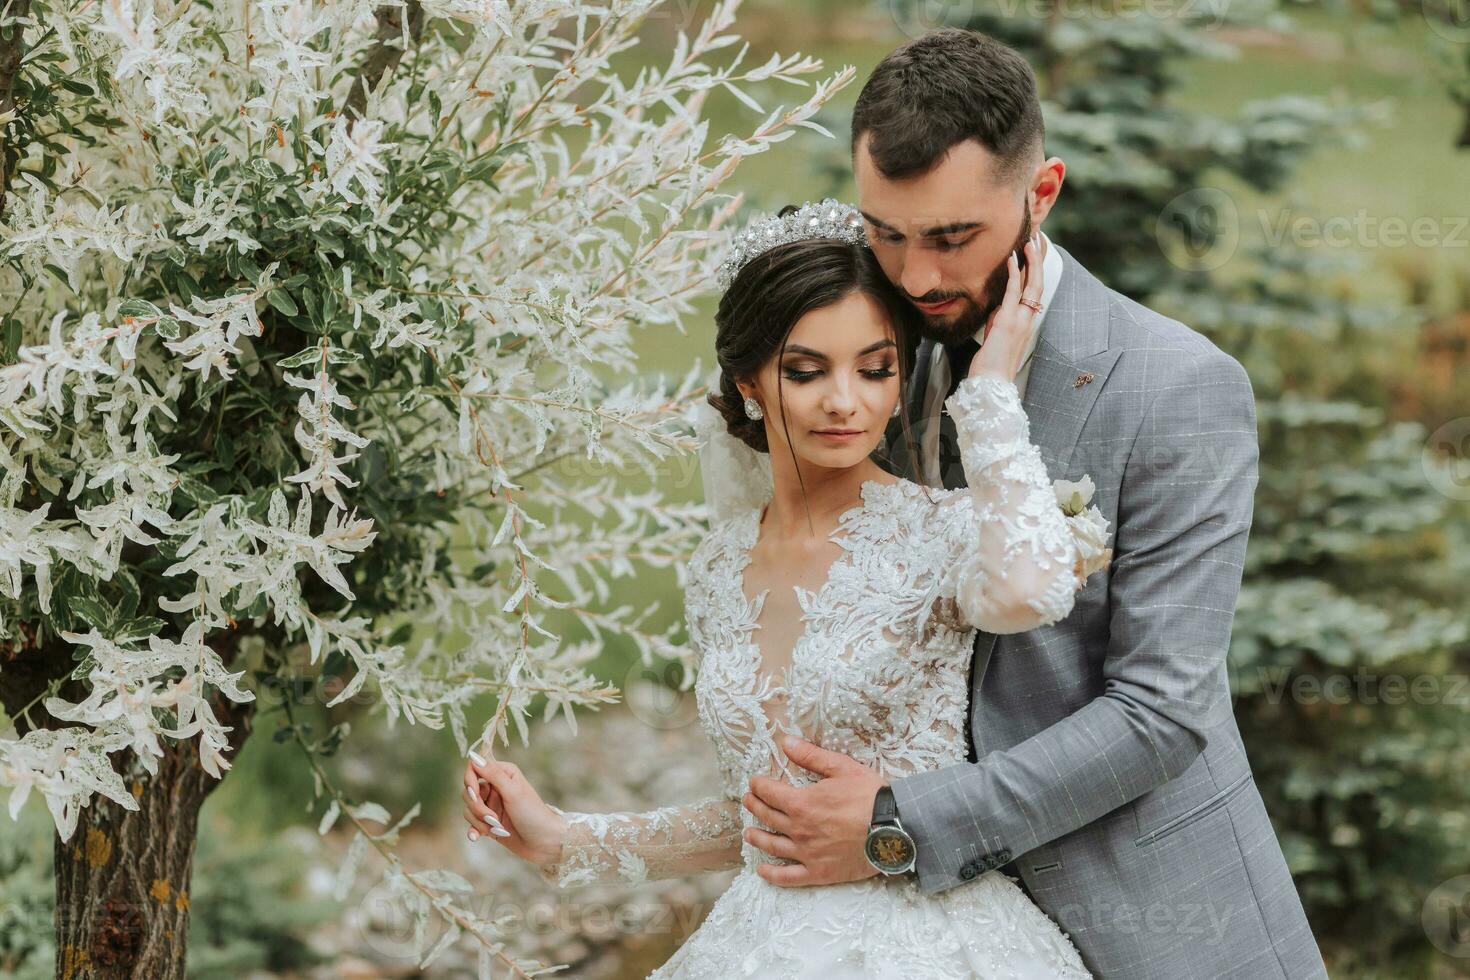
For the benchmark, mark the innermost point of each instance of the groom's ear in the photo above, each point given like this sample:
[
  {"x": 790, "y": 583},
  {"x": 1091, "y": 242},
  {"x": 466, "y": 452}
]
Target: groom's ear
[{"x": 1046, "y": 187}]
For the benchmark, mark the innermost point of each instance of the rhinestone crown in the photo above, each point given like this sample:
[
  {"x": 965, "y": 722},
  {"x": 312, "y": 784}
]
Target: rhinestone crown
[{"x": 828, "y": 218}]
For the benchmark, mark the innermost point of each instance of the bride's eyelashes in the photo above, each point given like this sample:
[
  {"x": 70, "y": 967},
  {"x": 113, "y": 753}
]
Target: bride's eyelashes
[{"x": 877, "y": 374}]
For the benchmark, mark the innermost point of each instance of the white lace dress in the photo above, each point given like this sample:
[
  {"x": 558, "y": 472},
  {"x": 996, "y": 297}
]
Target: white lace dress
[{"x": 879, "y": 673}]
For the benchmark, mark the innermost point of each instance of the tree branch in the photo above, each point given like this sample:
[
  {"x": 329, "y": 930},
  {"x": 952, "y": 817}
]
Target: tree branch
[{"x": 384, "y": 57}]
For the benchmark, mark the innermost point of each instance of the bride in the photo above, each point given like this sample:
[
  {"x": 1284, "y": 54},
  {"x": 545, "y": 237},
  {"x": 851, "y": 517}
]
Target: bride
[{"x": 835, "y": 602}]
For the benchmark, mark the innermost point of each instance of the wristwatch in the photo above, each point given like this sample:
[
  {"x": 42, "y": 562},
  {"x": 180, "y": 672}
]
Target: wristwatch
[{"x": 889, "y": 848}]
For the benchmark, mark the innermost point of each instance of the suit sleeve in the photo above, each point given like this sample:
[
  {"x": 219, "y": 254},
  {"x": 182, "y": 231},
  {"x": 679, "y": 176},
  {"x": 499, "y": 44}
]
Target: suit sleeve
[{"x": 1184, "y": 514}]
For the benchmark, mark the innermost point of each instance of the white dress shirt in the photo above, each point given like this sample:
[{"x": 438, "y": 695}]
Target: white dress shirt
[{"x": 1051, "y": 273}]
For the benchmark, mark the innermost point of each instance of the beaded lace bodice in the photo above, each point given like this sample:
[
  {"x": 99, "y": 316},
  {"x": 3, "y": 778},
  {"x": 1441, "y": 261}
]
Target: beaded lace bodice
[{"x": 880, "y": 670}]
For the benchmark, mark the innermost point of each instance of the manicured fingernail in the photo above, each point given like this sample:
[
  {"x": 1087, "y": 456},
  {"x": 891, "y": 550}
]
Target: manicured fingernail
[
  {"x": 499, "y": 831},
  {"x": 474, "y": 834},
  {"x": 476, "y": 756}
]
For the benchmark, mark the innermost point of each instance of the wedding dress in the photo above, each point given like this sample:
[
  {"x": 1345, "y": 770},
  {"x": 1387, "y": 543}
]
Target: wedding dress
[{"x": 880, "y": 673}]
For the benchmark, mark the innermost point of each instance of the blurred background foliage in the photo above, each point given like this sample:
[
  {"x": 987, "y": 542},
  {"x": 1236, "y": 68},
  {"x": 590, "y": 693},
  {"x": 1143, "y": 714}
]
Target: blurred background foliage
[{"x": 1244, "y": 167}]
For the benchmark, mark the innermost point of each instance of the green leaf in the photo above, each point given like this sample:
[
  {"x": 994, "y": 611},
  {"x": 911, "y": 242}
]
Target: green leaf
[
  {"x": 301, "y": 358},
  {"x": 128, "y": 605},
  {"x": 197, "y": 490},
  {"x": 249, "y": 269},
  {"x": 138, "y": 307},
  {"x": 139, "y": 628},
  {"x": 281, "y": 300},
  {"x": 224, "y": 449},
  {"x": 181, "y": 282},
  {"x": 329, "y": 242},
  {"x": 92, "y": 611}
]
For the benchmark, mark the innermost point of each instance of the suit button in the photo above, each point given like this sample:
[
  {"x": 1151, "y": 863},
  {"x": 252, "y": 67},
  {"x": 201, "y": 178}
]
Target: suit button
[
  {"x": 1002, "y": 857},
  {"x": 967, "y": 871}
]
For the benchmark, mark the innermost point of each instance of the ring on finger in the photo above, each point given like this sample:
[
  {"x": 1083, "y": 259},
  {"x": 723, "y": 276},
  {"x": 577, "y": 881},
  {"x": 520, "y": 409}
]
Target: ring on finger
[{"x": 1031, "y": 304}]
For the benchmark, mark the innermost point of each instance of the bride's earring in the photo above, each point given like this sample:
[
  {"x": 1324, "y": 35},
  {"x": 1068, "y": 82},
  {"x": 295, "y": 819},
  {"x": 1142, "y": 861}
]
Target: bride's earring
[
  {"x": 753, "y": 409},
  {"x": 894, "y": 413}
]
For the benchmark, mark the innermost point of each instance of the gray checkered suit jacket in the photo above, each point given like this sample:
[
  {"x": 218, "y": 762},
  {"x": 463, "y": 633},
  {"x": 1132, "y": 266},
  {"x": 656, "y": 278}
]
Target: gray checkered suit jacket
[{"x": 1110, "y": 773}]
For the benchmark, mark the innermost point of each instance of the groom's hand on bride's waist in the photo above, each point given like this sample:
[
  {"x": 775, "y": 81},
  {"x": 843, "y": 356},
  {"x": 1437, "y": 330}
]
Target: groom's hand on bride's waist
[{"x": 821, "y": 827}]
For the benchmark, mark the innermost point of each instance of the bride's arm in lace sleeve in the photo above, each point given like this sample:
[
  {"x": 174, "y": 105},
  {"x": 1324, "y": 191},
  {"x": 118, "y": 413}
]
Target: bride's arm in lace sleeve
[
  {"x": 634, "y": 847},
  {"x": 1024, "y": 559},
  {"x": 572, "y": 848}
]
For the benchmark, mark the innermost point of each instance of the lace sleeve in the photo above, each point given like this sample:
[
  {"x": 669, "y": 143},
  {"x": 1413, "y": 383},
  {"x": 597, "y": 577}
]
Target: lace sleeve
[
  {"x": 668, "y": 841},
  {"x": 635, "y": 847},
  {"x": 1025, "y": 558}
]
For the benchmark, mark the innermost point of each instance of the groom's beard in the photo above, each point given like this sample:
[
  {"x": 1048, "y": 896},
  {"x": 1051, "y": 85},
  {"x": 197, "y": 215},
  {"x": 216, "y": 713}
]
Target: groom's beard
[{"x": 972, "y": 315}]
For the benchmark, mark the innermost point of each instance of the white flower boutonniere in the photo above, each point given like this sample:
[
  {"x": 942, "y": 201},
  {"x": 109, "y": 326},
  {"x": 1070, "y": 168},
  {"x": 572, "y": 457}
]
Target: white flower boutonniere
[
  {"x": 1074, "y": 496},
  {"x": 1089, "y": 527}
]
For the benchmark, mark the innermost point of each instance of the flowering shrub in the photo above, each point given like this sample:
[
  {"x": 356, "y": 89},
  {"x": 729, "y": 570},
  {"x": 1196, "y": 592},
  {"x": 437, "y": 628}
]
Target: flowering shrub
[{"x": 301, "y": 305}]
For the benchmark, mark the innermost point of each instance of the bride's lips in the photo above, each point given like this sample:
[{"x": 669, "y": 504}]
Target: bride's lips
[
  {"x": 838, "y": 435},
  {"x": 937, "y": 307}
]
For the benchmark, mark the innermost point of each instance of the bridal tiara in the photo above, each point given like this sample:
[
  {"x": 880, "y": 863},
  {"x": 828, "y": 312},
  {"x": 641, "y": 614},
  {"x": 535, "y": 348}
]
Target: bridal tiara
[{"x": 828, "y": 218}]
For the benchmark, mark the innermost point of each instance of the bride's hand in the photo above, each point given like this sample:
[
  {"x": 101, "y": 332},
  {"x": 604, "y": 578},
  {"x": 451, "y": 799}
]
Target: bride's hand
[
  {"x": 1009, "y": 329},
  {"x": 531, "y": 830}
]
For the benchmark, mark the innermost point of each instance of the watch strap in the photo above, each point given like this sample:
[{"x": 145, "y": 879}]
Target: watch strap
[{"x": 885, "y": 807}]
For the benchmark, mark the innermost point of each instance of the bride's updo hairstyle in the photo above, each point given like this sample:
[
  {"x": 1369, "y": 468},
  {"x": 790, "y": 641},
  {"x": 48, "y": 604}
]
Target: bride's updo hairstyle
[{"x": 771, "y": 293}]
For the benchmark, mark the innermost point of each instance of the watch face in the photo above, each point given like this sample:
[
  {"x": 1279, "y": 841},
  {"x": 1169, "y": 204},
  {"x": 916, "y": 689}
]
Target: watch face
[{"x": 890, "y": 850}]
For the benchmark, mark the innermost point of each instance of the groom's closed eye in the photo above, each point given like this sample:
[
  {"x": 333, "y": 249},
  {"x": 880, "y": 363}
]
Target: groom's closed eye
[{"x": 942, "y": 244}]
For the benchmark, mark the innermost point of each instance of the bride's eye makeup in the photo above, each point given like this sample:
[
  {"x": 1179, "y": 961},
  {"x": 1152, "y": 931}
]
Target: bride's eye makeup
[
  {"x": 881, "y": 371},
  {"x": 793, "y": 374}
]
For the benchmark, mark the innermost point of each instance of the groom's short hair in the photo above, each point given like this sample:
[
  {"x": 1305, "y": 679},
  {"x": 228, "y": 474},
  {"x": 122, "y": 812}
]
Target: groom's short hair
[{"x": 943, "y": 88}]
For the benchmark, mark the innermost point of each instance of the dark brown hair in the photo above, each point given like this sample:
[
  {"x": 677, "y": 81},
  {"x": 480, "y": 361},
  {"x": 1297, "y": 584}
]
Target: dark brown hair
[
  {"x": 941, "y": 89},
  {"x": 775, "y": 290}
]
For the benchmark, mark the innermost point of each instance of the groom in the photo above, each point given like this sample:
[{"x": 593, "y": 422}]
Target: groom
[{"x": 1106, "y": 771}]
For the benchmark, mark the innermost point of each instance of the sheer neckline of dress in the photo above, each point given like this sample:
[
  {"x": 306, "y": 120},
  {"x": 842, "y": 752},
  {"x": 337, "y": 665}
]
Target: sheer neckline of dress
[{"x": 873, "y": 492}]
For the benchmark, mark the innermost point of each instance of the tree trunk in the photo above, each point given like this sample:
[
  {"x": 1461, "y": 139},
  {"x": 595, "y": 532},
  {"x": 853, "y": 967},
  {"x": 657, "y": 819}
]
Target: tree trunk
[
  {"x": 123, "y": 880},
  {"x": 11, "y": 51}
]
